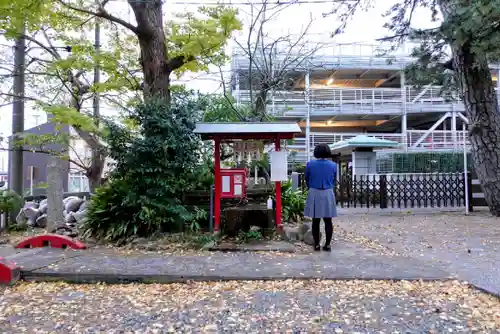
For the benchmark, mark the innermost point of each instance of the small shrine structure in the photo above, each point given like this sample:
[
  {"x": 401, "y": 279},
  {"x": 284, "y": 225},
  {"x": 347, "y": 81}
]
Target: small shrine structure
[
  {"x": 360, "y": 150},
  {"x": 234, "y": 132}
]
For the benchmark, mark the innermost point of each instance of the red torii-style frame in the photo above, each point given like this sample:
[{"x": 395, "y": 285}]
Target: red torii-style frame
[{"x": 220, "y": 132}]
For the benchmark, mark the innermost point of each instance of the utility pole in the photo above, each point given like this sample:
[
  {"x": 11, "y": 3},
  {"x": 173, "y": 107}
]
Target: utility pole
[
  {"x": 97, "y": 70},
  {"x": 96, "y": 153},
  {"x": 16, "y": 158}
]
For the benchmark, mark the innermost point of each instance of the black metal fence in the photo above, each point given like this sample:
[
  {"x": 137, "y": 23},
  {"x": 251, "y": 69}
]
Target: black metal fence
[{"x": 402, "y": 191}]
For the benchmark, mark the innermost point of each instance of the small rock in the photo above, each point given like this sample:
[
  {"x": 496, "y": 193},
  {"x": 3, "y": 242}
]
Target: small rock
[
  {"x": 30, "y": 205},
  {"x": 151, "y": 247},
  {"x": 42, "y": 221},
  {"x": 80, "y": 216},
  {"x": 304, "y": 227},
  {"x": 73, "y": 204},
  {"x": 140, "y": 241},
  {"x": 83, "y": 206},
  {"x": 209, "y": 245},
  {"x": 21, "y": 218},
  {"x": 31, "y": 214},
  {"x": 69, "y": 198},
  {"x": 211, "y": 328},
  {"x": 290, "y": 233},
  {"x": 308, "y": 238},
  {"x": 43, "y": 206},
  {"x": 70, "y": 218},
  {"x": 255, "y": 228}
]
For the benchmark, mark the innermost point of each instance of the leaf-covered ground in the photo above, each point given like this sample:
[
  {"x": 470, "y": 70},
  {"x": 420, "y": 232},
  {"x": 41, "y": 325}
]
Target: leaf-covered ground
[
  {"x": 250, "y": 307},
  {"x": 467, "y": 246}
]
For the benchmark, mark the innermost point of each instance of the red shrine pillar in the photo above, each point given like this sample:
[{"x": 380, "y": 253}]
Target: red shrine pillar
[
  {"x": 217, "y": 185},
  {"x": 278, "y": 190}
]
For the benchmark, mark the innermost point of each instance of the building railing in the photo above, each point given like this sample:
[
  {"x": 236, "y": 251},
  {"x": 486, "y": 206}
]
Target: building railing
[
  {"x": 355, "y": 100},
  {"x": 334, "y": 137},
  {"x": 322, "y": 45},
  {"x": 328, "y": 52},
  {"x": 437, "y": 140}
]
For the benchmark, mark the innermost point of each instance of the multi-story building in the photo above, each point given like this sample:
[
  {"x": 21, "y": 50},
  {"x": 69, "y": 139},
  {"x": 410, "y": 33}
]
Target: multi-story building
[
  {"x": 78, "y": 154},
  {"x": 347, "y": 90}
]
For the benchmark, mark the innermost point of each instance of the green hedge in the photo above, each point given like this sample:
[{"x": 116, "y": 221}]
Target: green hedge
[{"x": 426, "y": 162}]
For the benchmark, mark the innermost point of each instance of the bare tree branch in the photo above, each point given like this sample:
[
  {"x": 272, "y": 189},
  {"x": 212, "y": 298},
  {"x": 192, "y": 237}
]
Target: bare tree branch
[
  {"x": 102, "y": 13},
  {"x": 271, "y": 59}
]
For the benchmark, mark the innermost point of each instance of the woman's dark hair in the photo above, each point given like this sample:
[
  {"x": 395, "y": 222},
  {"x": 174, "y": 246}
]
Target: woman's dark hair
[{"x": 322, "y": 151}]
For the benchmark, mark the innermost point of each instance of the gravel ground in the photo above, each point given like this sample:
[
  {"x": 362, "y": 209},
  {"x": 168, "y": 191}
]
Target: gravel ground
[
  {"x": 466, "y": 246},
  {"x": 250, "y": 307}
]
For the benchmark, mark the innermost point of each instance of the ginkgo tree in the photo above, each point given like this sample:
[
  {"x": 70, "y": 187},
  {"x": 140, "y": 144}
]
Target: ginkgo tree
[
  {"x": 139, "y": 58},
  {"x": 188, "y": 42}
]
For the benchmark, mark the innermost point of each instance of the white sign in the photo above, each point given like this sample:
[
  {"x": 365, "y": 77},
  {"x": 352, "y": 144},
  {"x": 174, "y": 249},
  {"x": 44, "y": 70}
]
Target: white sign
[
  {"x": 238, "y": 190},
  {"x": 279, "y": 166},
  {"x": 226, "y": 184}
]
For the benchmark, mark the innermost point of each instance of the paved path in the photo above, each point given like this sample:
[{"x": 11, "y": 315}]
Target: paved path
[
  {"x": 465, "y": 246},
  {"x": 346, "y": 261}
]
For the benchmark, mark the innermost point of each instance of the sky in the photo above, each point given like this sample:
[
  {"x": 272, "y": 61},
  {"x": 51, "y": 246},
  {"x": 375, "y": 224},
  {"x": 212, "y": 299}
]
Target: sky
[{"x": 362, "y": 31}]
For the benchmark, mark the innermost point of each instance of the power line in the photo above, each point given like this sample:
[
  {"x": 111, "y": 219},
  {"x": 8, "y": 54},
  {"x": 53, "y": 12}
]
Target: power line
[
  {"x": 239, "y": 3},
  {"x": 272, "y": 3}
]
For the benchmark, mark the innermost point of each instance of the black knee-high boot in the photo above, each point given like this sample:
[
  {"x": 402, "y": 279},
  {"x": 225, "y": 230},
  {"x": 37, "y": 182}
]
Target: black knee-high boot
[
  {"x": 328, "y": 231},
  {"x": 315, "y": 231}
]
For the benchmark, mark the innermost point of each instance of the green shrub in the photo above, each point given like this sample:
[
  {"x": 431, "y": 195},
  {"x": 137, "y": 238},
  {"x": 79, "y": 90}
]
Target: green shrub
[
  {"x": 10, "y": 201},
  {"x": 249, "y": 236},
  {"x": 153, "y": 170},
  {"x": 205, "y": 173},
  {"x": 293, "y": 202},
  {"x": 425, "y": 162}
]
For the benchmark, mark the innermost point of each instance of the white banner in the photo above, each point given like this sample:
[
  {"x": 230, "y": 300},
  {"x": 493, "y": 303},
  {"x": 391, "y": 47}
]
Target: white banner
[{"x": 279, "y": 166}]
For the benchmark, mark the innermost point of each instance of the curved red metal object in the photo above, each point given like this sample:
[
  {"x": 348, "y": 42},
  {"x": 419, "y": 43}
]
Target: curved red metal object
[
  {"x": 10, "y": 272},
  {"x": 51, "y": 240}
]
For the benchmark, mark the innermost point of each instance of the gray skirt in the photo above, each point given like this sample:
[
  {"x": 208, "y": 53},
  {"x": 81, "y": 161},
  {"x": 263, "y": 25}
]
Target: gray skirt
[{"x": 320, "y": 203}]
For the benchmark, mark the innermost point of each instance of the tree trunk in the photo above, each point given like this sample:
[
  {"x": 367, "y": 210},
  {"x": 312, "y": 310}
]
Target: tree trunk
[
  {"x": 261, "y": 102},
  {"x": 154, "y": 56},
  {"x": 94, "y": 173},
  {"x": 55, "y": 192},
  {"x": 481, "y": 105}
]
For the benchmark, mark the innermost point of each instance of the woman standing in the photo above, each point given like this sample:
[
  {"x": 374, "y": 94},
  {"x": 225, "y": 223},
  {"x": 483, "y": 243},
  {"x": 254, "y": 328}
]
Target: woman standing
[{"x": 320, "y": 177}]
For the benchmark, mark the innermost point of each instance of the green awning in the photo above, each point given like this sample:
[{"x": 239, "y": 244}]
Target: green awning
[{"x": 363, "y": 141}]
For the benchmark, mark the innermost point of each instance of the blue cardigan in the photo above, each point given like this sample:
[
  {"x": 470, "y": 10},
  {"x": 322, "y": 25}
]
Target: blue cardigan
[{"x": 320, "y": 174}]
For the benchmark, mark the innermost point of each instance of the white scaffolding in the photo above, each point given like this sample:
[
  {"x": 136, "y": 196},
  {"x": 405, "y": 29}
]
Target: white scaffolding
[{"x": 312, "y": 103}]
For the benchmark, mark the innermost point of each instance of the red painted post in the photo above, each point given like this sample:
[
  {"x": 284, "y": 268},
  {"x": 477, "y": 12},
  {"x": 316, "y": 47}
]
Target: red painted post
[
  {"x": 278, "y": 190},
  {"x": 10, "y": 272},
  {"x": 217, "y": 182}
]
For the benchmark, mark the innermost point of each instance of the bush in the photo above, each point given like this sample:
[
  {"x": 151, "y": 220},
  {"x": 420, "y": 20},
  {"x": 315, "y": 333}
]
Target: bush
[
  {"x": 10, "y": 201},
  {"x": 153, "y": 170},
  {"x": 293, "y": 202},
  {"x": 425, "y": 162}
]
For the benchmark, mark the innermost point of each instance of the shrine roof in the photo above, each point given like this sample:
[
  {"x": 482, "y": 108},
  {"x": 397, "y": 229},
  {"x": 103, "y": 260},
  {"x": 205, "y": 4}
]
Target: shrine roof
[
  {"x": 256, "y": 130},
  {"x": 362, "y": 141}
]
